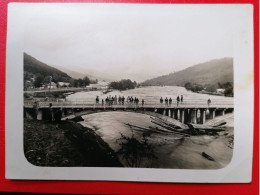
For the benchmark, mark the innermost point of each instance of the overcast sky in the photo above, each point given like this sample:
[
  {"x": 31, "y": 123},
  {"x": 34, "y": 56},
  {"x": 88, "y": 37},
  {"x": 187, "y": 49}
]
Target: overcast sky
[{"x": 130, "y": 41}]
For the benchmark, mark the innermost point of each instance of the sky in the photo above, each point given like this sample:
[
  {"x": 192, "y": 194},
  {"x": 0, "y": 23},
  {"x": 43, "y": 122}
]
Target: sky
[{"x": 122, "y": 41}]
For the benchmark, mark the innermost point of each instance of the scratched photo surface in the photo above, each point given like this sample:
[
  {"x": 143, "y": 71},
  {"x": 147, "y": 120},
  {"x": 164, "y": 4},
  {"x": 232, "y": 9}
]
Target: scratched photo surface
[{"x": 129, "y": 86}]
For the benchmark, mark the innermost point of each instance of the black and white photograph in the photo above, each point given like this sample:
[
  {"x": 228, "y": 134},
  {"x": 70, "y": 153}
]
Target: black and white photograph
[
  {"x": 138, "y": 92},
  {"x": 132, "y": 86}
]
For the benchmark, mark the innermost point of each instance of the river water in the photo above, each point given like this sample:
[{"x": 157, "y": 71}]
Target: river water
[
  {"x": 153, "y": 93},
  {"x": 171, "y": 151}
]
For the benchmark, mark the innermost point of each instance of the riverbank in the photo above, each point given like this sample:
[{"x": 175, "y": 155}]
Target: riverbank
[{"x": 65, "y": 144}]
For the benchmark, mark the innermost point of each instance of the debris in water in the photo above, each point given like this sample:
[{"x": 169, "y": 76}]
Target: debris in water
[{"x": 207, "y": 156}]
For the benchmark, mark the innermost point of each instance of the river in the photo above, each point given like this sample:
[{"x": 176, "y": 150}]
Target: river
[
  {"x": 171, "y": 151},
  {"x": 153, "y": 93}
]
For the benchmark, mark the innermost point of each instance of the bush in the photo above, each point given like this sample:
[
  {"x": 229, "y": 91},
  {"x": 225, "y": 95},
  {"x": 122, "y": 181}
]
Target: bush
[
  {"x": 193, "y": 87},
  {"x": 136, "y": 153}
]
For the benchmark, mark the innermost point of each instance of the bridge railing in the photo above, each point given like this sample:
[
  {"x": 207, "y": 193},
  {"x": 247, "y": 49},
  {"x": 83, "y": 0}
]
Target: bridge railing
[{"x": 147, "y": 104}]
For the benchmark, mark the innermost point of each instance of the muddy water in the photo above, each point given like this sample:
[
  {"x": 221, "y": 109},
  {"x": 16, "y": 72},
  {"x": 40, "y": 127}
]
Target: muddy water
[
  {"x": 148, "y": 94},
  {"x": 171, "y": 151}
]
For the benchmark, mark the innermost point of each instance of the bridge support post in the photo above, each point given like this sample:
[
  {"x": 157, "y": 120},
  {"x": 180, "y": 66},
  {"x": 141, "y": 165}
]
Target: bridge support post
[
  {"x": 202, "y": 115},
  {"x": 222, "y": 113},
  {"x": 186, "y": 115},
  {"x": 39, "y": 114},
  {"x": 65, "y": 111},
  {"x": 173, "y": 113},
  {"x": 169, "y": 113},
  {"x": 212, "y": 113},
  {"x": 182, "y": 115},
  {"x": 177, "y": 114},
  {"x": 194, "y": 116},
  {"x": 62, "y": 113}
]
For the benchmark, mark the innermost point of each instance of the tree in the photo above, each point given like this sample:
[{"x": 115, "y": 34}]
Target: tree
[
  {"x": 123, "y": 84},
  {"x": 72, "y": 82},
  {"x": 136, "y": 152},
  {"x": 220, "y": 85},
  {"x": 38, "y": 81},
  {"x": 228, "y": 89},
  {"x": 227, "y": 85},
  {"x": 78, "y": 82},
  {"x": 193, "y": 87},
  {"x": 187, "y": 86},
  {"x": 85, "y": 81},
  {"x": 212, "y": 87}
]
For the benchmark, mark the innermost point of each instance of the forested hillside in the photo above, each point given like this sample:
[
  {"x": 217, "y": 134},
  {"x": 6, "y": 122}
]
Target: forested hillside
[
  {"x": 207, "y": 74},
  {"x": 36, "y": 67}
]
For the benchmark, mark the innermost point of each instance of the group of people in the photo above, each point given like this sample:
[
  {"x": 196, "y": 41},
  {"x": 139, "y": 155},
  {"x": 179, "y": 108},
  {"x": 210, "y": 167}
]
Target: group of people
[
  {"x": 121, "y": 100},
  {"x": 169, "y": 101},
  {"x": 114, "y": 100}
]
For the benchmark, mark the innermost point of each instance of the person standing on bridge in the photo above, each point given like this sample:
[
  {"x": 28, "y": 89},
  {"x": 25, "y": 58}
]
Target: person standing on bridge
[
  {"x": 112, "y": 100},
  {"x": 181, "y": 98},
  {"x": 170, "y": 101},
  {"x": 131, "y": 100},
  {"x": 135, "y": 100},
  {"x": 142, "y": 102},
  {"x": 123, "y": 100},
  {"x": 115, "y": 99},
  {"x": 161, "y": 100},
  {"x": 166, "y": 101},
  {"x": 209, "y": 102},
  {"x": 119, "y": 99},
  {"x": 97, "y": 100},
  {"x": 178, "y": 100}
]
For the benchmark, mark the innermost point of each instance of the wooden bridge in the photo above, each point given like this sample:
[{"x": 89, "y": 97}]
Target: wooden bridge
[{"x": 188, "y": 111}]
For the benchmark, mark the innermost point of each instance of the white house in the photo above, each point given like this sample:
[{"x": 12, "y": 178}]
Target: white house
[
  {"x": 101, "y": 85},
  {"x": 63, "y": 84},
  {"x": 51, "y": 86},
  {"x": 220, "y": 91}
]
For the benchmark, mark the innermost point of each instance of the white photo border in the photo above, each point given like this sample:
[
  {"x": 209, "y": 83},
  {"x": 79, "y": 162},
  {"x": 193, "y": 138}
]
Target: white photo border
[{"x": 239, "y": 170}]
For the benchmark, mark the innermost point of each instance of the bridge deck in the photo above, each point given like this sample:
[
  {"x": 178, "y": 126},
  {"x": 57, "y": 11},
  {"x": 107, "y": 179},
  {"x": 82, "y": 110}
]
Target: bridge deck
[{"x": 151, "y": 104}]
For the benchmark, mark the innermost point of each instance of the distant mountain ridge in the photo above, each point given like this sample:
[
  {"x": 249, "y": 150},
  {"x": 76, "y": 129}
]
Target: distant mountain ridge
[
  {"x": 71, "y": 73},
  {"x": 205, "y": 74},
  {"x": 87, "y": 71},
  {"x": 80, "y": 72}
]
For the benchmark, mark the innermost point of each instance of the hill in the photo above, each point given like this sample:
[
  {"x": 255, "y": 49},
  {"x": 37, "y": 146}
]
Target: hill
[
  {"x": 207, "y": 74},
  {"x": 82, "y": 72},
  {"x": 73, "y": 74},
  {"x": 93, "y": 74},
  {"x": 35, "y": 67}
]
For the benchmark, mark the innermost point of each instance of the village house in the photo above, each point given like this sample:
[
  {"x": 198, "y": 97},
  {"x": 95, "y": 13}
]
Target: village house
[
  {"x": 63, "y": 84},
  {"x": 101, "y": 85},
  {"x": 220, "y": 91},
  {"x": 51, "y": 85}
]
